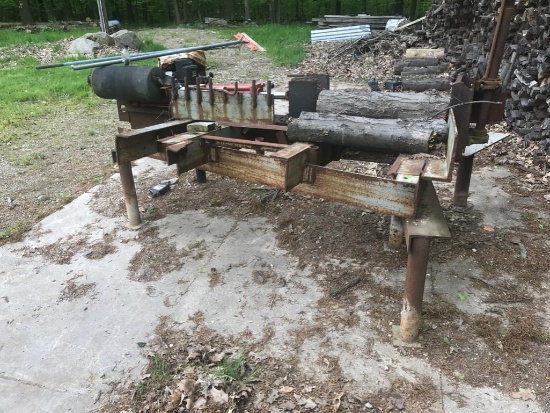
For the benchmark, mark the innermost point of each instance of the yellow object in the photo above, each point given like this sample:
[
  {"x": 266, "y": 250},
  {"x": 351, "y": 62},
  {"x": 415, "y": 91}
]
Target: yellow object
[{"x": 166, "y": 62}]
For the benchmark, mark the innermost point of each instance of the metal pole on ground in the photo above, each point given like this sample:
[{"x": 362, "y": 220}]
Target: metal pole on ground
[
  {"x": 417, "y": 265},
  {"x": 130, "y": 195}
]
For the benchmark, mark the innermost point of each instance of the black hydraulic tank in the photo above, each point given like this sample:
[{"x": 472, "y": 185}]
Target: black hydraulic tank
[{"x": 131, "y": 83}]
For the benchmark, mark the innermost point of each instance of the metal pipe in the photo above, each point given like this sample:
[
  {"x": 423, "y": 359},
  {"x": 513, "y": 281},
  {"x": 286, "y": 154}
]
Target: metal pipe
[
  {"x": 417, "y": 264},
  {"x": 130, "y": 195},
  {"x": 462, "y": 185},
  {"x": 159, "y": 54},
  {"x": 116, "y": 59}
]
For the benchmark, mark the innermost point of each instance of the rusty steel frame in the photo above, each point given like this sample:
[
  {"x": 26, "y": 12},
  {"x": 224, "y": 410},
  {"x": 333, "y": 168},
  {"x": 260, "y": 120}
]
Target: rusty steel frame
[{"x": 261, "y": 153}]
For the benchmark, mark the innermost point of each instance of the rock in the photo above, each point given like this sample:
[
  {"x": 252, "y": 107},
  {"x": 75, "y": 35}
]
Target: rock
[
  {"x": 101, "y": 38},
  {"x": 126, "y": 38},
  {"x": 215, "y": 21},
  {"x": 83, "y": 46}
]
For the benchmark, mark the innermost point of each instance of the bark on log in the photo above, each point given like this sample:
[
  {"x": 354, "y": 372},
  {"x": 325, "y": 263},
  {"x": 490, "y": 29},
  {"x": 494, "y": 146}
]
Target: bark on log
[
  {"x": 418, "y": 71},
  {"x": 419, "y": 62},
  {"x": 379, "y": 105},
  {"x": 388, "y": 135},
  {"x": 415, "y": 53},
  {"x": 421, "y": 84}
]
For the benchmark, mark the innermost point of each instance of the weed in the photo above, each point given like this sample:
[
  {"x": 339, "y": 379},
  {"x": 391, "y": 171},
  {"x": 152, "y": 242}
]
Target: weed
[
  {"x": 236, "y": 370},
  {"x": 92, "y": 132},
  {"x": 160, "y": 373},
  {"x": 31, "y": 158},
  {"x": 65, "y": 197},
  {"x": 15, "y": 230},
  {"x": 96, "y": 178},
  {"x": 148, "y": 45}
]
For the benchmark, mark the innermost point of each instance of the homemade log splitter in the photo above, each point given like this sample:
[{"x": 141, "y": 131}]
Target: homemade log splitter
[{"x": 232, "y": 131}]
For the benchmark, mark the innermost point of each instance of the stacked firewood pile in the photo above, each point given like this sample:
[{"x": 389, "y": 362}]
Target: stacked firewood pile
[{"x": 465, "y": 29}]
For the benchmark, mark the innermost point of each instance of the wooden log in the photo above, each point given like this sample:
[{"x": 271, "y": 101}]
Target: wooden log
[
  {"x": 420, "y": 71},
  {"x": 421, "y": 84},
  {"x": 415, "y": 53},
  {"x": 381, "y": 105},
  {"x": 419, "y": 62},
  {"x": 387, "y": 135}
]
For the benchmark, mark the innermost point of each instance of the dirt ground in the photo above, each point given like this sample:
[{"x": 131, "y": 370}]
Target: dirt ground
[{"x": 500, "y": 342}]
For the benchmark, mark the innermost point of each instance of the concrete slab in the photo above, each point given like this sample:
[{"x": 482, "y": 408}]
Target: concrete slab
[{"x": 60, "y": 353}]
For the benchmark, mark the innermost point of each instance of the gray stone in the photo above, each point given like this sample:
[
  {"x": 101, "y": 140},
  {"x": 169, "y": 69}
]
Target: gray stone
[
  {"x": 126, "y": 38},
  {"x": 83, "y": 46},
  {"x": 101, "y": 38}
]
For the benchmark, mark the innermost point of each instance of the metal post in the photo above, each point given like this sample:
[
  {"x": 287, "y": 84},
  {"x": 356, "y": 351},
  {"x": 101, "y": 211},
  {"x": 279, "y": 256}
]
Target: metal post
[
  {"x": 103, "y": 19},
  {"x": 417, "y": 264},
  {"x": 395, "y": 239},
  {"x": 462, "y": 185},
  {"x": 201, "y": 176},
  {"x": 130, "y": 196}
]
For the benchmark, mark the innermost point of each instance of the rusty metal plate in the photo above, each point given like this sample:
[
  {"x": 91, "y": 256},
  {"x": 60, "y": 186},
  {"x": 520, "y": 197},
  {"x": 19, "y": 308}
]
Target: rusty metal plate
[
  {"x": 376, "y": 194},
  {"x": 138, "y": 143},
  {"x": 429, "y": 221},
  {"x": 281, "y": 169},
  {"x": 442, "y": 169},
  {"x": 218, "y": 105}
]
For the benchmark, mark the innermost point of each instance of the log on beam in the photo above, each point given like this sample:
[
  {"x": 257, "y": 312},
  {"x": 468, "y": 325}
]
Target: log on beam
[
  {"x": 419, "y": 71},
  {"x": 387, "y": 105},
  {"x": 417, "y": 62},
  {"x": 423, "y": 83},
  {"x": 388, "y": 135}
]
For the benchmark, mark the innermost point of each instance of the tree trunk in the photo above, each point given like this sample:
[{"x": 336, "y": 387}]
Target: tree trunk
[
  {"x": 176, "y": 12},
  {"x": 398, "y": 7},
  {"x": 380, "y": 105},
  {"x": 25, "y": 12},
  {"x": 417, "y": 62},
  {"x": 412, "y": 10},
  {"x": 67, "y": 10},
  {"x": 228, "y": 9},
  {"x": 338, "y": 8},
  {"x": 247, "y": 10},
  {"x": 388, "y": 135},
  {"x": 184, "y": 11},
  {"x": 423, "y": 83},
  {"x": 48, "y": 10},
  {"x": 414, "y": 53},
  {"x": 415, "y": 71}
]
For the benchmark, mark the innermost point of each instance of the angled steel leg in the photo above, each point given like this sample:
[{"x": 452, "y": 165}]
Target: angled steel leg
[
  {"x": 417, "y": 265},
  {"x": 463, "y": 176},
  {"x": 130, "y": 196}
]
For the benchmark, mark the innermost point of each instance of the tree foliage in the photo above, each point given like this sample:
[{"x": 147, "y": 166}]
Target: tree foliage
[{"x": 159, "y": 12}]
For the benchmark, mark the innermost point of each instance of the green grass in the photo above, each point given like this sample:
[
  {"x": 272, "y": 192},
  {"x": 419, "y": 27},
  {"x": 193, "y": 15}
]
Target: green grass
[
  {"x": 10, "y": 37},
  {"x": 235, "y": 370},
  {"x": 28, "y": 93},
  {"x": 284, "y": 43}
]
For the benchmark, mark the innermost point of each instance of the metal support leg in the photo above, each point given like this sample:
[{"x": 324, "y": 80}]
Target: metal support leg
[
  {"x": 201, "y": 176},
  {"x": 130, "y": 196},
  {"x": 462, "y": 186},
  {"x": 395, "y": 239},
  {"x": 417, "y": 264}
]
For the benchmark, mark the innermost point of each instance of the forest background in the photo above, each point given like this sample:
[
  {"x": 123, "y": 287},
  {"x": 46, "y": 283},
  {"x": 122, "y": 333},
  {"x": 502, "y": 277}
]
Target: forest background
[{"x": 141, "y": 13}]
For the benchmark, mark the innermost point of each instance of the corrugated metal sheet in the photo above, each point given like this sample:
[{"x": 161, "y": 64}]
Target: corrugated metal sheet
[{"x": 340, "y": 33}]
